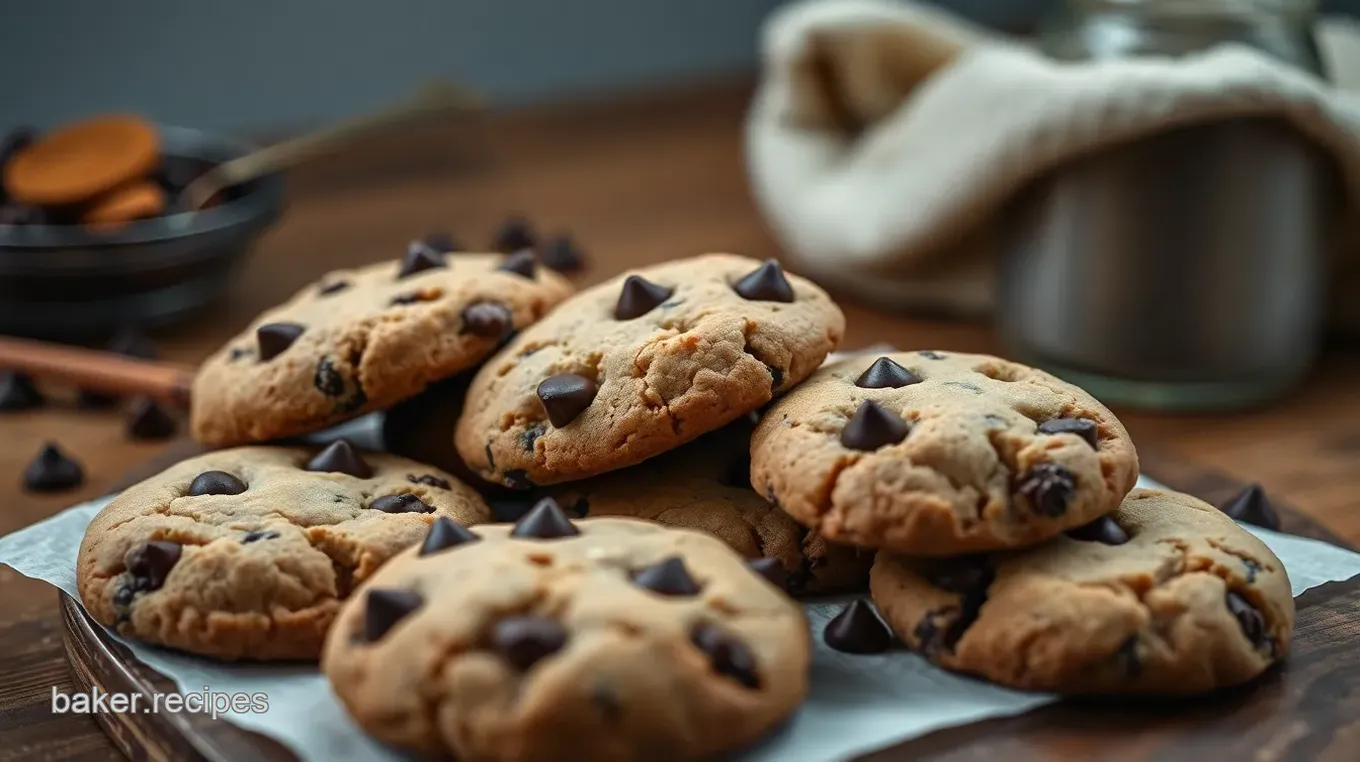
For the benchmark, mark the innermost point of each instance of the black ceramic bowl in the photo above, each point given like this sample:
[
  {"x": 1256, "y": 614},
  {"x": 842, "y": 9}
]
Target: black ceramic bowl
[{"x": 69, "y": 283}]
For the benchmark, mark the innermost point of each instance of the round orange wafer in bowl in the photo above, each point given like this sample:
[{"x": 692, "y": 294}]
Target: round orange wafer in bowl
[
  {"x": 133, "y": 201},
  {"x": 79, "y": 162}
]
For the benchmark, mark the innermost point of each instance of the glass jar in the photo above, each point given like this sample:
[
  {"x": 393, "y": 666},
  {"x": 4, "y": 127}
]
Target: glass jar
[{"x": 1182, "y": 271}]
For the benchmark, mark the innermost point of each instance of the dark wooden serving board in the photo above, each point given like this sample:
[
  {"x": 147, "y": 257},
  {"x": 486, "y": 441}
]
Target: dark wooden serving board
[{"x": 1308, "y": 709}]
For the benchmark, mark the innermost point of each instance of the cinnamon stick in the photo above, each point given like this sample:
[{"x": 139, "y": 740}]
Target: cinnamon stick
[{"x": 97, "y": 370}]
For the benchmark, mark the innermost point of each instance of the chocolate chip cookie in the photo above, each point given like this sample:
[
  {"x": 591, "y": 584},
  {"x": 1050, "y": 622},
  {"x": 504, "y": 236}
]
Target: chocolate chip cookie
[
  {"x": 602, "y": 639},
  {"x": 641, "y": 364},
  {"x": 705, "y": 485},
  {"x": 361, "y": 340},
  {"x": 247, "y": 553},
  {"x": 940, "y": 453},
  {"x": 1164, "y": 596}
]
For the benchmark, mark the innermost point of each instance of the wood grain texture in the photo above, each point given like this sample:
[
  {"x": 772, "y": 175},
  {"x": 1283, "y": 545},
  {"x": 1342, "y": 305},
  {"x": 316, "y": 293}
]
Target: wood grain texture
[{"x": 637, "y": 182}]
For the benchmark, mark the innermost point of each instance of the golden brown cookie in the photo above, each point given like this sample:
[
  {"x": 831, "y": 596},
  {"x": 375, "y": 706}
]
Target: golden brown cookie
[
  {"x": 130, "y": 202},
  {"x": 81, "y": 161}
]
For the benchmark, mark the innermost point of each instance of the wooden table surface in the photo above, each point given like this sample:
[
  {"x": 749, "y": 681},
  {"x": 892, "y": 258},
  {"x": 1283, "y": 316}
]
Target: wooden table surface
[{"x": 637, "y": 181}]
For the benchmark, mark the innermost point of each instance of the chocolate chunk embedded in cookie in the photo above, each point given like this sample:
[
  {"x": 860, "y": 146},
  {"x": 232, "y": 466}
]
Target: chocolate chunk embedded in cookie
[
  {"x": 935, "y": 453},
  {"x": 1179, "y": 600},
  {"x": 364, "y": 339},
  {"x": 622, "y": 641},
  {"x": 641, "y": 364},
  {"x": 247, "y": 553}
]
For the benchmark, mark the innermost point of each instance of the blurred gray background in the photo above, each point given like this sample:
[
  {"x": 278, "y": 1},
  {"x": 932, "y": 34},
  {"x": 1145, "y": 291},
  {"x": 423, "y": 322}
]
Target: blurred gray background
[{"x": 245, "y": 65}]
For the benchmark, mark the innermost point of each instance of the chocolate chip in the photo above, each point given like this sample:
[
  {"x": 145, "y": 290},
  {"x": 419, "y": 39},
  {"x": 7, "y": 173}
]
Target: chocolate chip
[
  {"x": 517, "y": 478},
  {"x": 429, "y": 480},
  {"x": 123, "y": 596},
  {"x": 857, "y": 630},
  {"x": 563, "y": 255},
  {"x": 520, "y": 263},
  {"x": 531, "y": 434},
  {"x": 1103, "y": 530},
  {"x": 216, "y": 483},
  {"x": 273, "y": 338},
  {"x": 885, "y": 373},
  {"x": 419, "y": 258},
  {"x": 1248, "y": 618},
  {"x": 1252, "y": 507},
  {"x": 525, "y": 640},
  {"x": 340, "y": 457},
  {"x": 384, "y": 607},
  {"x": 403, "y": 503},
  {"x": 565, "y": 396},
  {"x": 638, "y": 297},
  {"x": 969, "y": 577},
  {"x": 17, "y": 392},
  {"x": 327, "y": 379},
  {"x": 765, "y": 284},
  {"x": 545, "y": 521},
  {"x": 148, "y": 420},
  {"x": 962, "y": 575},
  {"x": 445, "y": 534},
  {"x": 514, "y": 234},
  {"x": 727, "y": 655},
  {"x": 151, "y": 562},
  {"x": 929, "y": 355},
  {"x": 442, "y": 242},
  {"x": 1082, "y": 427},
  {"x": 89, "y": 399},
  {"x": 52, "y": 471},
  {"x": 129, "y": 342},
  {"x": 258, "y": 535},
  {"x": 333, "y": 287},
  {"x": 1049, "y": 488},
  {"x": 770, "y": 569},
  {"x": 872, "y": 427},
  {"x": 930, "y": 636},
  {"x": 667, "y": 577},
  {"x": 487, "y": 320}
]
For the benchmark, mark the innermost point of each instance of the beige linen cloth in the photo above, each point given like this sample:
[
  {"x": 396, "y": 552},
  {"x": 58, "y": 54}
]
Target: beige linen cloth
[{"x": 885, "y": 135}]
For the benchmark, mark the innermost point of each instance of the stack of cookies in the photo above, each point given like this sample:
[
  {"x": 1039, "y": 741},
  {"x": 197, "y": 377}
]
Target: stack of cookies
[{"x": 604, "y": 556}]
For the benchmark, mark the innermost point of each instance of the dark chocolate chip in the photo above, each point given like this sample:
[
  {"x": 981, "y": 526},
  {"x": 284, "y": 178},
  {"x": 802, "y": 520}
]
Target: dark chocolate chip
[
  {"x": 517, "y": 478},
  {"x": 565, "y": 396},
  {"x": 419, "y": 258},
  {"x": 545, "y": 521},
  {"x": 962, "y": 575},
  {"x": 638, "y": 297},
  {"x": 525, "y": 640},
  {"x": 429, "y": 480},
  {"x": 770, "y": 569},
  {"x": 487, "y": 320},
  {"x": 514, "y": 234},
  {"x": 216, "y": 483},
  {"x": 384, "y": 607},
  {"x": 727, "y": 655},
  {"x": 1082, "y": 427},
  {"x": 885, "y": 373},
  {"x": 332, "y": 287},
  {"x": 151, "y": 562},
  {"x": 1049, "y": 488},
  {"x": 520, "y": 263},
  {"x": 872, "y": 427},
  {"x": 89, "y": 399},
  {"x": 857, "y": 630},
  {"x": 340, "y": 457},
  {"x": 442, "y": 242},
  {"x": 124, "y": 594},
  {"x": 403, "y": 503},
  {"x": 928, "y": 635},
  {"x": 667, "y": 577},
  {"x": 148, "y": 420},
  {"x": 531, "y": 434},
  {"x": 929, "y": 355},
  {"x": 445, "y": 534},
  {"x": 327, "y": 379},
  {"x": 258, "y": 535},
  {"x": 765, "y": 284},
  {"x": 1128, "y": 659},
  {"x": 1252, "y": 568},
  {"x": 52, "y": 471},
  {"x": 1252, "y": 507},
  {"x": 273, "y": 338},
  {"x": 737, "y": 473},
  {"x": 17, "y": 392},
  {"x": 1103, "y": 530},
  {"x": 1248, "y": 618},
  {"x": 130, "y": 342},
  {"x": 563, "y": 255}
]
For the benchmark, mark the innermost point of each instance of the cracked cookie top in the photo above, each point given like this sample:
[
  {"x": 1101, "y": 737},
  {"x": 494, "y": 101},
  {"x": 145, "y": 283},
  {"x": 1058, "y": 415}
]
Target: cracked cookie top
[
  {"x": 939, "y": 453},
  {"x": 643, "y": 363},
  {"x": 246, "y": 553},
  {"x": 361, "y": 340},
  {"x": 1164, "y": 596},
  {"x": 615, "y": 639}
]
